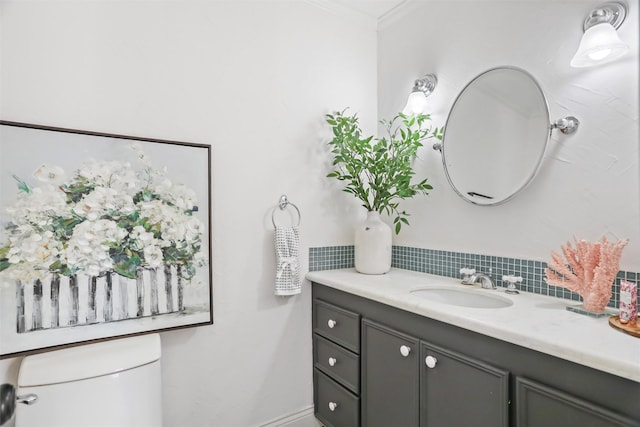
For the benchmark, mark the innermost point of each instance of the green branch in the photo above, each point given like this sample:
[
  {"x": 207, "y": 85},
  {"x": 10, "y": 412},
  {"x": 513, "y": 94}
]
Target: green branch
[{"x": 379, "y": 173}]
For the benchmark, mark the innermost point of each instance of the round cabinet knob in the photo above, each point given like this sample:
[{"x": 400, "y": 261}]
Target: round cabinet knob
[
  {"x": 332, "y": 361},
  {"x": 332, "y": 406},
  {"x": 332, "y": 323},
  {"x": 431, "y": 362},
  {"x": 405, "y": 350}
]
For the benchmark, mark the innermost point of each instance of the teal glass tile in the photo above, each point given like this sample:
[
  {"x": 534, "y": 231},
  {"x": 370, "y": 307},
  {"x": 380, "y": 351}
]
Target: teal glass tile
[{"x": 449, "y": 263}]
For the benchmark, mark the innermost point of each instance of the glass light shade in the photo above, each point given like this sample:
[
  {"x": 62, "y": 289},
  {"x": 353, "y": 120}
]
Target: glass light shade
[
  {"x": 599, "y": 44},
  {"x": 416, "y": 103}
]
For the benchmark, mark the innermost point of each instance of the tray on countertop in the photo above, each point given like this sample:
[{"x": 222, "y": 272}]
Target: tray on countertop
[{"x": 631, "y": 328}]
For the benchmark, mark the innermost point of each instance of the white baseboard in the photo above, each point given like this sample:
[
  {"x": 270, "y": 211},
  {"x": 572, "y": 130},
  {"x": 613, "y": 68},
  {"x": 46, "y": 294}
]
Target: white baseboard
[{"x": 301, "y": 418}]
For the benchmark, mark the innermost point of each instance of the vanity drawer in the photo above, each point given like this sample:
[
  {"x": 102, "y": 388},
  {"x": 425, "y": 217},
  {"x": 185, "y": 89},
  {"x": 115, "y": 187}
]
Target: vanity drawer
[
  {"x": 340, "y": 364},
  {"x": 339, "y": 325},
  {"x": 334, "y": 405}
]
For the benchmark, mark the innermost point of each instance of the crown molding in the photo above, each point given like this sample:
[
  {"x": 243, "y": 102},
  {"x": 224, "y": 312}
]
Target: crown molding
[
  {"x": 399, "y": 11},
  {"x": 339, "y": 9}
]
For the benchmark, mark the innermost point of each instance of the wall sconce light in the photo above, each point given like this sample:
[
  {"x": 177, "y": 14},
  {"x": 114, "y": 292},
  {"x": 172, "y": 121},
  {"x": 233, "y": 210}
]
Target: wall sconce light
[
  {"x": 600, "y": 43},
  {"x": 417, "y": 100}
]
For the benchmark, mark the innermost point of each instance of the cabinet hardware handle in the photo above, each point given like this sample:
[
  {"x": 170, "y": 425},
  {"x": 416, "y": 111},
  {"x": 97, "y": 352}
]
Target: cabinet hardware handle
[
  {"x": 405, "y": 350},
  {"x": 332, "y": 323},
  {"x": 332, "y": 361},
  {"x": 332, "y": 406},
  {"x": 27, "y": 399},
  {"x": 431, "y": 362}
]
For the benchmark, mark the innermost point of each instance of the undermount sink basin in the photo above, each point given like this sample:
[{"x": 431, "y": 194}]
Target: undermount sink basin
[{"x": 463, "y": 298}]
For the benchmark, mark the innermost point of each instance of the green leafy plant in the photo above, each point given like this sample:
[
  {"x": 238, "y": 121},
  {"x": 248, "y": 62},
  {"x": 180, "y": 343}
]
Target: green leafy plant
[{"x": 378, "y": 171}]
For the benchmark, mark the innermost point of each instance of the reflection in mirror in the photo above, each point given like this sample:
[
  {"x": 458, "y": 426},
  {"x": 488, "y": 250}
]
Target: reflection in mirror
[{"x": 495, "y": 136}]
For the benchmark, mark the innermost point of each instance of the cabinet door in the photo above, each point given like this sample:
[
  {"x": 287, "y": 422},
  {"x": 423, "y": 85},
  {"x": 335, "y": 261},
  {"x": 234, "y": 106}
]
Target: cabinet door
[
  {"x": 390, "y": 380},
  {"x": 538, "y": 405},
  {"x": 457, "y": 390}
]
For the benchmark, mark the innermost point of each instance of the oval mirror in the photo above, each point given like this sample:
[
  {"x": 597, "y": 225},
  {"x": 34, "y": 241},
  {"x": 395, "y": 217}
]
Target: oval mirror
[{"x": 495, "y": 136}]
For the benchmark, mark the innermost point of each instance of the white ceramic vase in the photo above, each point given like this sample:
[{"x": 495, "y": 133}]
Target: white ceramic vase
[{"x": 373, "y": 245}]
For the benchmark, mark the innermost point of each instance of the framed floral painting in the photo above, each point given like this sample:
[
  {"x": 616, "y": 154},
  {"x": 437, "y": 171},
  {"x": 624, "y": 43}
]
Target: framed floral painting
[{"x": 101, "y": 236}]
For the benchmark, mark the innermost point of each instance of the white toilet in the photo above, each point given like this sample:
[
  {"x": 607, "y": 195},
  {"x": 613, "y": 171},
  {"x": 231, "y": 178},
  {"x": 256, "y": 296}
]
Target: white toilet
[{"x": 112, "y": 383}]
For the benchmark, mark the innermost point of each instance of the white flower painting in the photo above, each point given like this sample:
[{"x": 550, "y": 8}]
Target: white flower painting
[{"x": 102, "y": 235}]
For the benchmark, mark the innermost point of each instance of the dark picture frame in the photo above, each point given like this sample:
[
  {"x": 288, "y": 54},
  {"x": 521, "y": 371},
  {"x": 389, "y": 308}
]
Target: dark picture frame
[{"x": 102, "y": 236}]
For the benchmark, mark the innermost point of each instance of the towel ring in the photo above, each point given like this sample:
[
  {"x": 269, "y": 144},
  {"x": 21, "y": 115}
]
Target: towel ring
[{"x": 282, "y": 204}]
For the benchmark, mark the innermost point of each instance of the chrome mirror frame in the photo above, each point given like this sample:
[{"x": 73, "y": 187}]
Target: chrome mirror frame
[{"x": 566, "y": 125}]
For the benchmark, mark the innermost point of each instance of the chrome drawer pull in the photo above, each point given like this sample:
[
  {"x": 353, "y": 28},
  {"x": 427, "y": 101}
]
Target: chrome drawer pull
[
  {"x": 332, "y": 361},
  {"x": 332, "y": 406},
  {"x": 332, "y": 323}
]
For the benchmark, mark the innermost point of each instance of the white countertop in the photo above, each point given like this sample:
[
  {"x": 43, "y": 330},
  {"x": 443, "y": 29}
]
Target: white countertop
[{"x": 534, "y": 321}]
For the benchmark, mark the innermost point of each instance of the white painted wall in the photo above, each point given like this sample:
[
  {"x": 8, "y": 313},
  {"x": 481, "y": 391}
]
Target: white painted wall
[
  {"x": 253, "y": 79},
  {"x": 589, "y": 182}
]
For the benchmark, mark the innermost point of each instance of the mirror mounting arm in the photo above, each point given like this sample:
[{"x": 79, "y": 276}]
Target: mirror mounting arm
[{"x": 567, "y": 125}]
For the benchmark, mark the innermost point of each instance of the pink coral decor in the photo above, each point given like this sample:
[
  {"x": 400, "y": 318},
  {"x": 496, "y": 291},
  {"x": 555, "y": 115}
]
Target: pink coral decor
[{"x": 589, "y": 269}]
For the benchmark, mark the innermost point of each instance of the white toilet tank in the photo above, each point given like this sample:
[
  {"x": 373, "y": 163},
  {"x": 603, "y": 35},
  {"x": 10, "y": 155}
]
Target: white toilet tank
[{"x": 112, "y": 383}]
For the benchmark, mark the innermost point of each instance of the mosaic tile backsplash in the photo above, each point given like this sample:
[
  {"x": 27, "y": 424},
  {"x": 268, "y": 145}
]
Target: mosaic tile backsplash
[{"x": 446, "y": 263}]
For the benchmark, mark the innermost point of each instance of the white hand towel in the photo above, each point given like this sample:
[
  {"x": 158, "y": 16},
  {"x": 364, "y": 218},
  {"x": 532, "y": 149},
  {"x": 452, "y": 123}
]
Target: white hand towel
[{"x": 287, "y": 243}]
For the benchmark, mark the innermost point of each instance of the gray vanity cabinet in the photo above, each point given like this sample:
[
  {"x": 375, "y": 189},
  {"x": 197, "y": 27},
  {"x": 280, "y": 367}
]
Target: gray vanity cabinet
[
  {"x": 458, "y": 390},
  {"x": 539, "y": 405},
  {"x": 381, "y": 377},
  {"x": 390, "y": 377},
  {"x": 400, "y": 389}
]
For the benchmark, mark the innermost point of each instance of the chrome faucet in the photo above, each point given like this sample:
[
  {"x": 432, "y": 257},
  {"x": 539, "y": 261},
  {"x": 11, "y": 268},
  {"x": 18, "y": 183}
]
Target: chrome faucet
[{"x": 485, "y": 280}]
